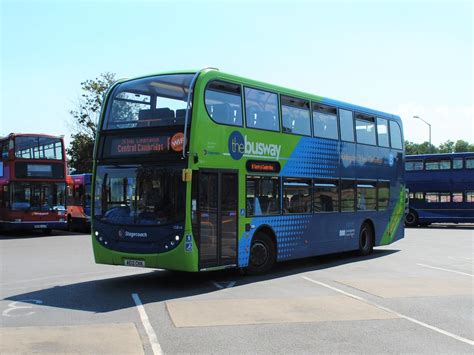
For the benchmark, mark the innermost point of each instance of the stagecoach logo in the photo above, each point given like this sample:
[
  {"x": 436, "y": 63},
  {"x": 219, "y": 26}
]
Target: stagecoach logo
[
  {"x": 122, "y": 233},
  {"x": 240, "y": 145}
]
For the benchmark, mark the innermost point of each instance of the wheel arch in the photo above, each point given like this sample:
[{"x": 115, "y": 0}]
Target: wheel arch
[{"x": 266, "y": 229}]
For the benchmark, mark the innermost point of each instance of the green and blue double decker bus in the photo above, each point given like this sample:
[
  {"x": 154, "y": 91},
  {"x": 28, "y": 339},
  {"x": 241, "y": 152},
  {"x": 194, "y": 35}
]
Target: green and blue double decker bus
[{"x": 202, "y": 170}]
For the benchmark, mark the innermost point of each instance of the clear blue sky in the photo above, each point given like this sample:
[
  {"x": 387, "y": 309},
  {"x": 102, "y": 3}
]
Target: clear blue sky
[{"x": 403, "y": 57}]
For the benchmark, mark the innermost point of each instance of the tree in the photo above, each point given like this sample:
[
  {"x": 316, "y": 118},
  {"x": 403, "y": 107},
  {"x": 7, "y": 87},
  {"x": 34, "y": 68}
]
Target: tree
[
  {"x": 85, "y": 119},
  {"x": 446, "y": 147},
  {"x": 463, "y": 146},
  {"x": 423, "y": 148},
  {"x": 80, "y": 153}
]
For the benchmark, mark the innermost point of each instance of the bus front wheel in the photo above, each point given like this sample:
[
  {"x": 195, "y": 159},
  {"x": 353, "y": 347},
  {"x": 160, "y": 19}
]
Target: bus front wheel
[
  {"x": 411, "y": 219},
  {"x": 262, "y": 254},
  {"x": 366, "y": 239}
]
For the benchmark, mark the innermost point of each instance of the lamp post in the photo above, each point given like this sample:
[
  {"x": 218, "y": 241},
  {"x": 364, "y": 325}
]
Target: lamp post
[{"x": 421, "y": 119}]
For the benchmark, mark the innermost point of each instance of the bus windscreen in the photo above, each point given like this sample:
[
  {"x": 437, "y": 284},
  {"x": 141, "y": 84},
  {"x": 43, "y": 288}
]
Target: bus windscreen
[
  {"x": 139, "y": 195},
  {"x": 149, "y": 102},
  {"x": 38, "y": 196}
]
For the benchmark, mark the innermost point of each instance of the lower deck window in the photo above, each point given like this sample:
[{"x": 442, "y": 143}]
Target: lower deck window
[
  {"x": 383, "y": 195},
  {"x": 366, "y": 196},
  {"x": 326, "y": 196},
  {"x": 296, "y": 195},
  {"x": 347, "y": 196},
  {"x": 263, "y": 195},
  {"x": 457, "y": 197},
  {"x": 431, "y": 197},
  {"x": 470, "y": 196}
]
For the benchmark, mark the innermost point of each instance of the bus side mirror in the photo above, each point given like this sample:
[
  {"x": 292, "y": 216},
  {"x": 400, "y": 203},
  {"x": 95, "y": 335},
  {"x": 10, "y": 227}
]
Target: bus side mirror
[{"x": 187, "y": 175}]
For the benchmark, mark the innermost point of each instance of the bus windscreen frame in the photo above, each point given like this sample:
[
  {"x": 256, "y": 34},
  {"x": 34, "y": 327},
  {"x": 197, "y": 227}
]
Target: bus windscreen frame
[{"x": 155, "y": 101}]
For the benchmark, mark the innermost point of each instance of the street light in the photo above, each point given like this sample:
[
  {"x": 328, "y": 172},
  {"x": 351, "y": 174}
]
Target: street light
[{"x": 421, "y": 119}]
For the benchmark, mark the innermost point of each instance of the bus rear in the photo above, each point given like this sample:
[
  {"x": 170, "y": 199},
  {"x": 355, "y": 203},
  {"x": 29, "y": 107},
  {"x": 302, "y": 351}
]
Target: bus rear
[
  {"x": 33, "y": 183},
  {"x": 139, "y": 192},
  {"x": 79, "y": 201}
]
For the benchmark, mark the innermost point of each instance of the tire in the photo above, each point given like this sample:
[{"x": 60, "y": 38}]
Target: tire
[
  {"x": 70, "y": 228},
  {"x": 411, "y": 219},
  {"x": 262, "y": 254},
  {"x": 366, "y": 240}
]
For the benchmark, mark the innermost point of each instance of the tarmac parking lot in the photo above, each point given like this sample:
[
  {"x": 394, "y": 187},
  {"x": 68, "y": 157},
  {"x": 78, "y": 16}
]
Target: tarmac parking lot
[{"x": 414, "y": 296}]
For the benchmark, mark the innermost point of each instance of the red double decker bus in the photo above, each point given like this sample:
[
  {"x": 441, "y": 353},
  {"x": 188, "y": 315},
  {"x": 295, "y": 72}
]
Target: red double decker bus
[{"x": 32, "y": 182}]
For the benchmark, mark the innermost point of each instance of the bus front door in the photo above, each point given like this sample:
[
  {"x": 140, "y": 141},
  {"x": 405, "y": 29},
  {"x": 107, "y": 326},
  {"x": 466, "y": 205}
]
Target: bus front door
[{"x": 218, "y": 219}]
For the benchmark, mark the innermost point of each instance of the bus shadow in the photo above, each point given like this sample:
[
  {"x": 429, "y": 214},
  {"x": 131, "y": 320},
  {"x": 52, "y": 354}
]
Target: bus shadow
[
  {"x": 35, "y": 234},
  {"x": 112, "y": 294}
]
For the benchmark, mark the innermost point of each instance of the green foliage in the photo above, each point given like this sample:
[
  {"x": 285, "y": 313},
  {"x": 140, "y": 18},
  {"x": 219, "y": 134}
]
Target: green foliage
[
  {"x": 85, "y": 119},
  {"x": 463, "y": 146},
  {"x": 446, "y": 147},
  {"x": 80, "y": 153}
]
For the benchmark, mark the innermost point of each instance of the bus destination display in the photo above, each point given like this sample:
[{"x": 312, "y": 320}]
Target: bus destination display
[
  {"x": 259, "y": 166},
  {"x": 126, "y": 146}
]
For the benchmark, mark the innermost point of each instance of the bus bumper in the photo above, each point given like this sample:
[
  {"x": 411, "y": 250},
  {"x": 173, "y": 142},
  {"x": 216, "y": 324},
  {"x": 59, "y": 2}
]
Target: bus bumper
[{"x": 39, "y": 225}]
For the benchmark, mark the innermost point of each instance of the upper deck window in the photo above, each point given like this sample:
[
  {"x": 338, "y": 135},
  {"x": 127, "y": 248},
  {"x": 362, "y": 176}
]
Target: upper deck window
[
  {"x": 438, "y": 164},
  {"x": 224, "y": 102},
  {"x": 365, "y": 129},
  {"x": 325, "y": 121},
  {"x": 457, "y": 163},
  {"x": 149, "y": 102},
  {"x": 295, "y": 115},
  {"x": 414, "y": 165},
  {"x": 395, "y": 135},
  {"x": 347, "y": 125},
  {"x": 34, "y": 147},
  {"x": 261, "y": 109},
  {"x": 382, "y": 132},
  {"x": 4, "y": 148},
  {"x": 470, "y": 163}
]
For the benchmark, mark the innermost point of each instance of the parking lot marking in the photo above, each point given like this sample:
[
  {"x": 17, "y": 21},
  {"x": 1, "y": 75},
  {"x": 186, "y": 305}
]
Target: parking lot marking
[
  {"x": 152, "y": 338},
  {"x": 438, "y": 330},
  {"x": 459, "y": 258},
  {"x": 448, "y": 270},
  {"x": 13, "y": 306}
]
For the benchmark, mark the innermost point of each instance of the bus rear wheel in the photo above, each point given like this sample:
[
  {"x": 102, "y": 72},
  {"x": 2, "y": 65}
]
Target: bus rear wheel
[
  {"x": 366, "y": 239},
  {"x": 411, "y": 219},
  {"x": 262, "y": 254}
]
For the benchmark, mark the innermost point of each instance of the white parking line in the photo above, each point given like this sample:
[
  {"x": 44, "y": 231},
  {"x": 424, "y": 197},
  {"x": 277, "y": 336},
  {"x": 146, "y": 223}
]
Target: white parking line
[
  {"x": 441, "y": 331},
  {"x": 448, "y": 270},
  {"x": 152, "y": 338},
  {"x": 459, "y": 258}
]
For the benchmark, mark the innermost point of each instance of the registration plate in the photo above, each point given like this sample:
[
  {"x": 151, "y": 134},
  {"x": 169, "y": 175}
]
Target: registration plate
[
  {"x": 40, "y": 226},
  {"x": 132, "y": 262}
]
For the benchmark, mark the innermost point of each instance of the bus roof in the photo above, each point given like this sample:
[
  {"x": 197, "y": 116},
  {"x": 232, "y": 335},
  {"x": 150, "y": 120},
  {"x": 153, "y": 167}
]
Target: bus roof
[
  {"x": 30, "y": 135},
  {"x": 280, "y": 89},
  {"x": 439, "y": 155}
]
